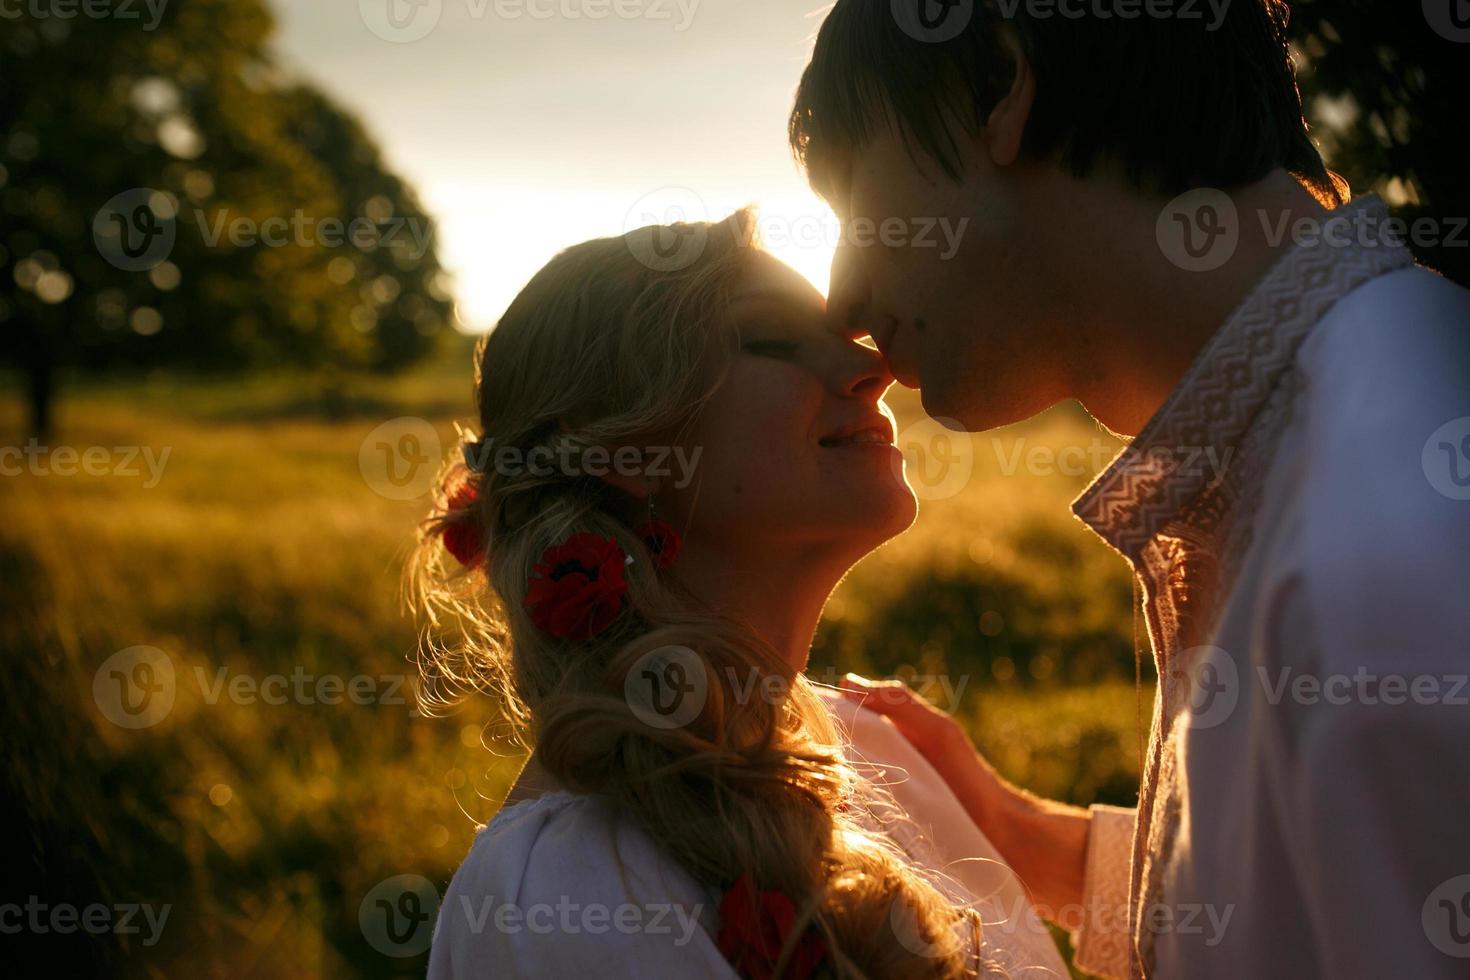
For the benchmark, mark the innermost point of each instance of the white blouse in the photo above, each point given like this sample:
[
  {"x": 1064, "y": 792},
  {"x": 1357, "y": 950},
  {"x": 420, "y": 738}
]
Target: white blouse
[{"x": 564, "y": 886}]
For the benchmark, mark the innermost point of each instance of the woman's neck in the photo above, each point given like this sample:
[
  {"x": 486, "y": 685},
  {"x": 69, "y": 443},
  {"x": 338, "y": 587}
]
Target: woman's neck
[{"x": 780, "y": 598}]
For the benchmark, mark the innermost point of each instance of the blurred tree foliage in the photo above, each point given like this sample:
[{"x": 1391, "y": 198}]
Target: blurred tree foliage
[
  {"x": 1385, "y": 92},
  {"x": 198, "y": 129}
]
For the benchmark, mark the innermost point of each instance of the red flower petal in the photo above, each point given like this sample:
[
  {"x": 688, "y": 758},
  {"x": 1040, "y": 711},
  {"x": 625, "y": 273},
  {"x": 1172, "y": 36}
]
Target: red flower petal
[
  {"x": 465, "y": 538},
  {"x": 577, "y": 588},
  {"x": 662, "y": 540},
  {"x": 753, "y": 929},
  {"x": 465, "y": 542}
]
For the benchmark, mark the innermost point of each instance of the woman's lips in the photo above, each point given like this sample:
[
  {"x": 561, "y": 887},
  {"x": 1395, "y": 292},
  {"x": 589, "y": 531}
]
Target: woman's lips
[{"x": 869, "y": 435}]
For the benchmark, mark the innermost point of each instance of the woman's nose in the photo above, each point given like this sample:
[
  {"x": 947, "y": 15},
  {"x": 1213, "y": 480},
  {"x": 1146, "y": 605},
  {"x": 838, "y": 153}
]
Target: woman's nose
[{"x": 864, "y": 372}]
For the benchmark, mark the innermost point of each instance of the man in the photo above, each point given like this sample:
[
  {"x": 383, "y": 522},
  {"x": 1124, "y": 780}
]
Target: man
[{"x": 1147, "y": 228}]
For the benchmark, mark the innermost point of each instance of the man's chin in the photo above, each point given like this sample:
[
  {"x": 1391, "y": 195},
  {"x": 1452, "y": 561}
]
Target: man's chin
[
  {"x": 962, "y": 410},
  {"x": 962, "y": 401},
  {"x": 940, "y": 404}
]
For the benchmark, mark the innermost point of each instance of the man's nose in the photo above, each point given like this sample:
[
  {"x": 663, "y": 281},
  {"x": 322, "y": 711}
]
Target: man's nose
[
  {"x": 851, "y": 311},
  {"x": 849, "y": 294}
]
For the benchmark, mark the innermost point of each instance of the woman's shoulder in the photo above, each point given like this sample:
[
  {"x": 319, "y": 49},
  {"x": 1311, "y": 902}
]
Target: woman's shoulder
[
  {"x": 564, "y": 883},
  {"x": 569, "y": 841}
]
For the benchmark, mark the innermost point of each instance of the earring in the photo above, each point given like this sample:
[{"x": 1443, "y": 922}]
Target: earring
[{"x": 659, "y": 537}]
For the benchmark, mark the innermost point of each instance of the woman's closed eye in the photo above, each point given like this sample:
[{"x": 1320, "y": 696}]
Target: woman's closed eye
[{"x": 769, "y": 346}]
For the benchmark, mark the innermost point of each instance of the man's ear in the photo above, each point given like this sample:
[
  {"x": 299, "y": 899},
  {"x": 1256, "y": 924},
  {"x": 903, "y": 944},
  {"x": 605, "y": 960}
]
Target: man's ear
[{"x": 1006, "y": 126}]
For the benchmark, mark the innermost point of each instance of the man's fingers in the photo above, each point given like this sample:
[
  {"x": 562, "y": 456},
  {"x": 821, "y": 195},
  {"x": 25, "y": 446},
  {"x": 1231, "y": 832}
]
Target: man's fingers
[
  {"x": 914, "y": 717},
  {"x": 882, "y": 696},
  {"x": 887, "y": 692},
  {"x": 885, "y": 697}
]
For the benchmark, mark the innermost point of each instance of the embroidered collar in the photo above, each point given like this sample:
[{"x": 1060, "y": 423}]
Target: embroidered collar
[{"x": 1209, "y": 413}]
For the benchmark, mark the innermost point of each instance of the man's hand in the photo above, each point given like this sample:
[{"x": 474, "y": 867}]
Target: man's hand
[{"x": 1044, "y": 842}]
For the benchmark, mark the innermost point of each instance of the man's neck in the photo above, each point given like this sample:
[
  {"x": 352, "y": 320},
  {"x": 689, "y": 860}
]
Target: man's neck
[{"x": 1153, "y": 316}]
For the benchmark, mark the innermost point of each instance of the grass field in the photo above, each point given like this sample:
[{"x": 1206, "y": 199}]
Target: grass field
[{"x": 260, "y": 562}]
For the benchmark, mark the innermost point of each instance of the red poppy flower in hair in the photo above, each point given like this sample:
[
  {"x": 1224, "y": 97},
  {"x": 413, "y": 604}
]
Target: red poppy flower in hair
[
  {"x": 464, "y": 538},
  {"x": 754, "y": 927},
  {"x": 577, "y": 589},
  {"x": 662, "y": 541}
]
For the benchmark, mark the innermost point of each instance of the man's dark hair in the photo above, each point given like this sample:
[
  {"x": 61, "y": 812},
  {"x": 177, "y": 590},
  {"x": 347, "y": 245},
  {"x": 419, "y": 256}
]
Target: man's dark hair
[{"x": 1171, "y": 102}]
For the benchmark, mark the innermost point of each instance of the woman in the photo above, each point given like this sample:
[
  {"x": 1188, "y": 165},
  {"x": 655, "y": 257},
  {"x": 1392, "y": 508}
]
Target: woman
[{"x": 677, "y": 464}]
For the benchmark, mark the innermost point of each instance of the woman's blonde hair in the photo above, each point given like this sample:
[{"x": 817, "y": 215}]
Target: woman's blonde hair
[{"x": 616, "y": 341}]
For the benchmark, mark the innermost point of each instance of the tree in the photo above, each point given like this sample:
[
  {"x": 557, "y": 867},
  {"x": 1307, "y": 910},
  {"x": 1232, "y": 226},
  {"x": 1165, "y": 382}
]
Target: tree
[
  {"x": 171, "y": 196},
  {"x": 1384, "y": 85}
]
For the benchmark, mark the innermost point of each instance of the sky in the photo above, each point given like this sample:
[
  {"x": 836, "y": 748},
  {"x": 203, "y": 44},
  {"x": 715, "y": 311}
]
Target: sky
[{"x": 530, "y": 125}]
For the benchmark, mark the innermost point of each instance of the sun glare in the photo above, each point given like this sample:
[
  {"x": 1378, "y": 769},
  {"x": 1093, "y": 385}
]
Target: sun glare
[{"x": 493, "y": 238}]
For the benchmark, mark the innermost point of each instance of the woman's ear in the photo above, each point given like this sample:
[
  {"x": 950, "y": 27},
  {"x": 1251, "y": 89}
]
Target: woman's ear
[
  {"x": 1006, "y": 126},
  {"x": 637, "y": 486}
]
